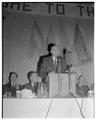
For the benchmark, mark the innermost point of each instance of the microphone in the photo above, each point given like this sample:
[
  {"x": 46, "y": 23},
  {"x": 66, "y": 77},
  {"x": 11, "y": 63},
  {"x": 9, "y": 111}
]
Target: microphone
[
  {"x": 64, "y": 52},
  {"x": 58, "y": 59},
  {"x": 69, "y": 52},
  {"x": 69, "y": 59},
  {"x": 58, "y": 69}
]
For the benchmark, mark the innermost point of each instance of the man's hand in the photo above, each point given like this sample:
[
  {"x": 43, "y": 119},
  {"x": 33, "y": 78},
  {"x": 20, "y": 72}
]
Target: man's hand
[{"x": 39, "y": 79}]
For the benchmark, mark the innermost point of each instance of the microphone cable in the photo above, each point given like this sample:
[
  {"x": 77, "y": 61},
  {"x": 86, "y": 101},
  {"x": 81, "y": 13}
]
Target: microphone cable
[
  {"x": 80, "y": 107},
  {"x": 50, "y": 101},
  {"x": 49, "y": 107}
]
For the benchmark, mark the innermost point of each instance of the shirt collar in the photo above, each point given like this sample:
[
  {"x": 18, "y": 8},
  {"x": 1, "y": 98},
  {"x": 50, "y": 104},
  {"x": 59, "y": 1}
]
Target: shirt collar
[{"x": 53, "y": 58}]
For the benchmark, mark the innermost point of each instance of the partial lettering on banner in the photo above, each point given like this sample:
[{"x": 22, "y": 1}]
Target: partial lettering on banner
[{"x": 62, "y": 9}]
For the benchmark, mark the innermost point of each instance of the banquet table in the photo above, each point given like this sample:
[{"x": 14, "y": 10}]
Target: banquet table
[{"x": 48, "y": 108}]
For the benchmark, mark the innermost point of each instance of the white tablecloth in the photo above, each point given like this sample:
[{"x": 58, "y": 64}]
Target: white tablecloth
[{"x": 38, "y": 108}]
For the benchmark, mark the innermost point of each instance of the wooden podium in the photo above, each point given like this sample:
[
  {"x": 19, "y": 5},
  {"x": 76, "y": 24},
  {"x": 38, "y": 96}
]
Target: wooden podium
[{"x": 59, "y": 84}]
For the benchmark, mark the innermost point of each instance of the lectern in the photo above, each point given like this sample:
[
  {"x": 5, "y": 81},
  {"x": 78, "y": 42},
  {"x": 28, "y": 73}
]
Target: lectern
[{"x": 59, "y": 84}]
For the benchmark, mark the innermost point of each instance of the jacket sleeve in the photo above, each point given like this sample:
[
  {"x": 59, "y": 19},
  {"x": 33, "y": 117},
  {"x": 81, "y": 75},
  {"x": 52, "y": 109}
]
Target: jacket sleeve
[
  {"x": 43, "y": 69},
  {"x": 5, "y": 89}
]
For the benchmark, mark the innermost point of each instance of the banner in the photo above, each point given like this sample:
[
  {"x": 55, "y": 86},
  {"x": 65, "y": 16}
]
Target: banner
[
  {"x": 51, "y": 8},
  {"x": 80, "y": 46},
  {"x": 36, "y": 40}
]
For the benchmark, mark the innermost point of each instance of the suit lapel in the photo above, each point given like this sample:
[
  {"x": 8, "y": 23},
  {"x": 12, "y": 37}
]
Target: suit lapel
[{"x": 31, "y": 87}]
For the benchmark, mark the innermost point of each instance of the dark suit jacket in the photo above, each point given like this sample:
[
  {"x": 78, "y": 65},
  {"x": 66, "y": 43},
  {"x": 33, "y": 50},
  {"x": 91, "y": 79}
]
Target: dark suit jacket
[
  {"x": 48, "y": 66},
  {"x": 8, "y": 88},
  {"x": 29, "y": 86}
]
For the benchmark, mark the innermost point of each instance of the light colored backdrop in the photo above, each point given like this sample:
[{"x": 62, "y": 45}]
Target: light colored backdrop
[{"x": 23, "y": 40}]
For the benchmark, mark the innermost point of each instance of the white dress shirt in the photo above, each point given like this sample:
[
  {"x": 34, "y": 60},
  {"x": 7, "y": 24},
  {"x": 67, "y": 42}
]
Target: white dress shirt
[{"x": 54, "y": 60}]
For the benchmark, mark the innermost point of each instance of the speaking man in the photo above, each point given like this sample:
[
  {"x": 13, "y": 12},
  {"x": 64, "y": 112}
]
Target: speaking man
[{"x": 53, "y": 63}]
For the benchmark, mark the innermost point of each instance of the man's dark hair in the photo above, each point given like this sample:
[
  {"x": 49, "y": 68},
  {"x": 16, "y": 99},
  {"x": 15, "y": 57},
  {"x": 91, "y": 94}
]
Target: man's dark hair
[
  {"x": 29, "y": 74},
  {"x": 50, "y": 46},
  {"x": 11, "y": 74}
]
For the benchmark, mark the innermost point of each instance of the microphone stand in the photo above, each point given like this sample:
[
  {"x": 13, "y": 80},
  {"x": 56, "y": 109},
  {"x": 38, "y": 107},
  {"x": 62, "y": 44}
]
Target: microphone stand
[
  {"x": 59, "y": 77},
  {"x": 69, "y": 73}
]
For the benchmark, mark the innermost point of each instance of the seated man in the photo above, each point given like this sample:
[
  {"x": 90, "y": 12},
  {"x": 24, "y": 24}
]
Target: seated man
[
  {"x": 33, "y": 82},
  {"x": 52, "y": 63},
  {"x": 92, "y": 87},
  {"x": 81, "y": 87},
  {"x": 11, "y": 87}
]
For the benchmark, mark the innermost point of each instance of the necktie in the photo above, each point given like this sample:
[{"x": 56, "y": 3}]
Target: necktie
[
  {"x": 13, "y": 85},
  {"x": 33, "y": 86}
]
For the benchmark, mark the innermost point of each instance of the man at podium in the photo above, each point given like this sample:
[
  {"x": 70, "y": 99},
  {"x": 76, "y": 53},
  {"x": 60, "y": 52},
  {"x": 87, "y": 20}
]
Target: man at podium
[{"x": 53, "y": 64}]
